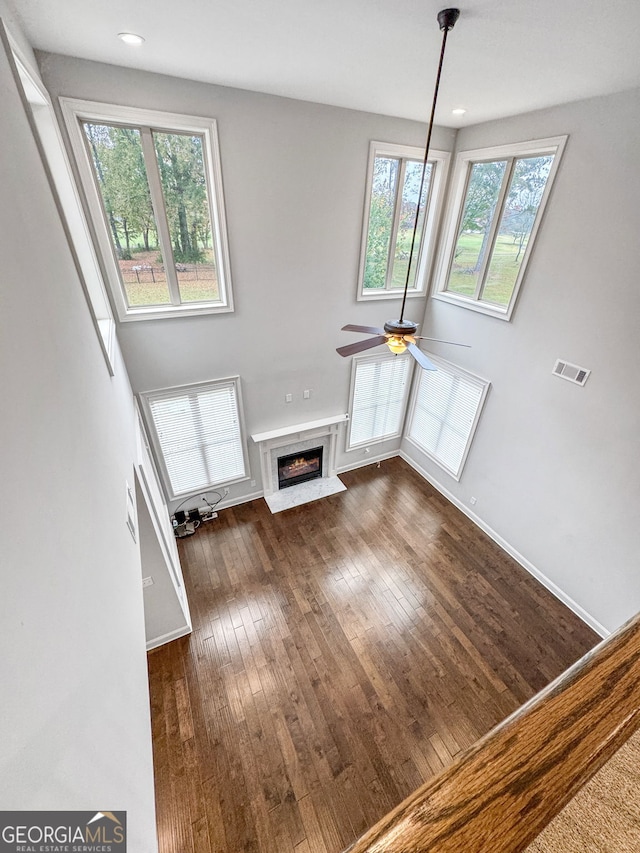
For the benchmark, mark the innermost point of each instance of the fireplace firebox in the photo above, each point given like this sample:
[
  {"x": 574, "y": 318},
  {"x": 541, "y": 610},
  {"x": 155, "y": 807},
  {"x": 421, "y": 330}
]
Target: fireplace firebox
[{"x": 299, "y": 467}]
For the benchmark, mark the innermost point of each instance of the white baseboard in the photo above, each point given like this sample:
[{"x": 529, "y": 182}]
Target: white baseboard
[
  {"x": 367, "y": 461},
  {"x": 244, "y": 499},
  {"x": 167, "y": 638},
  {"x": 517, "y": 556}
]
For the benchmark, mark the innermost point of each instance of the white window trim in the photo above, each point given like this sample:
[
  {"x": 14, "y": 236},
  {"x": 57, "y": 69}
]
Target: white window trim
[
  {"x": 551, "y": 145},
  {"x": 53, "y": 154},
  {"x": 440, "y": 161},
  {"x": 453, "y": 368},
  {"x": 175, "y": 390},
  {"x": 380, "y": 357},
  {"x": 74, "y": 111}
]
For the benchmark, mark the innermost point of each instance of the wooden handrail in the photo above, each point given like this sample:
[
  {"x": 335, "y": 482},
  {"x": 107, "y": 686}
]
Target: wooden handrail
[{"x": 503, "y": 791}]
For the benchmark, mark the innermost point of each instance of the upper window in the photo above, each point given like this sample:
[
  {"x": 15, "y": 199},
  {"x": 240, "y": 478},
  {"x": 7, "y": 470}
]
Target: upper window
[
  {"x": 154, "y": 188},
  {"x": 198, "y": 435},
  {"x": 444, "y": 413},
  {"x": 393, "y": 184},
  {"x": 379, "y": 388},
  {"x": 499, "y": 195}
]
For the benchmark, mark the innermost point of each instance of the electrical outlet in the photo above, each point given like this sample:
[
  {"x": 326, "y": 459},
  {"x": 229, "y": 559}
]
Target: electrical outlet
[
  {"x": 226, "y": 491},
  {"x": 147, "y": 581},
  {"x": 306, "y": 394},
  {"x": 473, "y": 501},
  {"x": 288, "y": 398}
]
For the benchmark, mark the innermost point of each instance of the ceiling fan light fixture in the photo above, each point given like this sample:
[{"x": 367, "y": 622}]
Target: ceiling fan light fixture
[{"x": 396, "y": 344}]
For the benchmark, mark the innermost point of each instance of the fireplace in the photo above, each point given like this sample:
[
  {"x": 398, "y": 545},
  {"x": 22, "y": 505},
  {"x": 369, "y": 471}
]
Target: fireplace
[
  {"x": 296, "y": 468},
  {"x": 295, "y": 441}
]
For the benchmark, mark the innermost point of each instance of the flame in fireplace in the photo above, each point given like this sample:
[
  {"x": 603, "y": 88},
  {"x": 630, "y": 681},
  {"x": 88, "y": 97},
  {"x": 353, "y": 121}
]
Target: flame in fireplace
[
  {"x": 301, "y": 462},
  {"x": 299, "y": 467}
]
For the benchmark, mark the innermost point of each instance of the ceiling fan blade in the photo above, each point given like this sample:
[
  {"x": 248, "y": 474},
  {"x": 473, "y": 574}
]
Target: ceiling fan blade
[
  {"x": 372, "y": 330},
  {"x": 438, "y": 341},
  {"x": 359, "y": 346},
  {"x": 420, "y": 357}
]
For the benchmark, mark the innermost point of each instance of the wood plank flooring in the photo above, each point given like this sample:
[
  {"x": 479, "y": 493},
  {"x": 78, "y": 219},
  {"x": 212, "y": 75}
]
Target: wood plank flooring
[{"x": 343, "y": 653}]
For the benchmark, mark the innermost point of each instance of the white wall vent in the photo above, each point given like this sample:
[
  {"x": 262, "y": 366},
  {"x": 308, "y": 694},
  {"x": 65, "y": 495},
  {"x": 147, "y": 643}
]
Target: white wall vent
[{"x": 572, "y": 372}]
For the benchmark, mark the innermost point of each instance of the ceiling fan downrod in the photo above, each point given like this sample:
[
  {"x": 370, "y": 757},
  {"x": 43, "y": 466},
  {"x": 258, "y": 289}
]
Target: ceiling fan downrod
[
  {"x": 400, "y": 335},
  {"x": 446, "y": 19}
]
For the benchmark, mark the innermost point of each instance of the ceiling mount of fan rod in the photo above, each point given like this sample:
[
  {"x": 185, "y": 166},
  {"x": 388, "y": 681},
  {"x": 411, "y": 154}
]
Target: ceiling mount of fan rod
[{"x": 447, "y": 18}]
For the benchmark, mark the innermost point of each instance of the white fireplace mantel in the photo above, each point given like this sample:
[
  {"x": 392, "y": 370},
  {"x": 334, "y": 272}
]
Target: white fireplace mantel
[
  {"x": 274, "y": 442},
  {"x": 286, "y": 432}
]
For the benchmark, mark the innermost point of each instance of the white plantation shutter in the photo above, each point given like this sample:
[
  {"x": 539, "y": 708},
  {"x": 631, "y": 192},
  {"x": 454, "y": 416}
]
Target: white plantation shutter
[
  {"x": 380, "y": 385},
  {"x": 445, "y": 413},
  {"x": 199, "y": 435}
]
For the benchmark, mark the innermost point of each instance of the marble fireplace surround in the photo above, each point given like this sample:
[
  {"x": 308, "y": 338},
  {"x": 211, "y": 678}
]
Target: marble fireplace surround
[{"x": 292, "y": 439}]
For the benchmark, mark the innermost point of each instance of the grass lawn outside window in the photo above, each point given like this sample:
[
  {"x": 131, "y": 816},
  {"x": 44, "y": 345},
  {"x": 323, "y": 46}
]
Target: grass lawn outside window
[
  {"x": 153, "y": 186},
  {"x": 497, "y": 203},
  {"x": 394, "y": 179}
]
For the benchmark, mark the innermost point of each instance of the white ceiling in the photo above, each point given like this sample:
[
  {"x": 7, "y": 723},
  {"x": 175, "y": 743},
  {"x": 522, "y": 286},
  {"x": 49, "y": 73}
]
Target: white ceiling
[{"x": 504, "y": 56}]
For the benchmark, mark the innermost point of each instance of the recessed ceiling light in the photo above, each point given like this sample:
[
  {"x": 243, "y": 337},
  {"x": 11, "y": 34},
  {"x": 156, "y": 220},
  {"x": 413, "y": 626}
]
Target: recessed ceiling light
[
  {"x": 458, "y": 112},
  {"x": 130, "y": 38}
]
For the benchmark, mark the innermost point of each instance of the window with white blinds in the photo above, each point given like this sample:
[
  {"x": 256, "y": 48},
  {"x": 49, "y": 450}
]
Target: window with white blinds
[
  {"x": 444, "y": 414},
  {"x": 379, "y": 387},
  {"x": 199, "y": 435}
]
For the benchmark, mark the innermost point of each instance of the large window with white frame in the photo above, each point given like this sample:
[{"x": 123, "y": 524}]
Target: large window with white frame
[
  {"x": 198, "y": 435},
  {"x": 497, "y": 201},
  {"x": 153, "y": 185},
  {"x": 59, "y": 174},
  {"x": 444, "y": 413},
  {"x": 379, "y": 390},
  {"x": 393, "y": 184}
]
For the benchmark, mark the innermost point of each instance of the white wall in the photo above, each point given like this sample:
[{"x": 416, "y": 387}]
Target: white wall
[
  {"x": 74, "y": 713},
  {"x": 294, "y": 176},
  {"x": 554, "y": 467}
]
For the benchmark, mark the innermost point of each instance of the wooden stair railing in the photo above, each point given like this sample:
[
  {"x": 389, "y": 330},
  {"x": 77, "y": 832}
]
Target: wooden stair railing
[{"x": 504, "y": 790}]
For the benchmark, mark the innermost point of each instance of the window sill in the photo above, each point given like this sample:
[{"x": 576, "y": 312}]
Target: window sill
[
  {"x": 165, "y": 311},
  {"x": 372, "y": 442},
  {"x": 212, "y": 487},
  {"x": 474, "y": 305},
  {"x": 378, "y": 295}
]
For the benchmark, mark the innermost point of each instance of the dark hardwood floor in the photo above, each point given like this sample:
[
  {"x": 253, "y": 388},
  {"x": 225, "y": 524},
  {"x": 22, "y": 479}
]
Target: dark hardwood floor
[{"x": 343, "y": 652}]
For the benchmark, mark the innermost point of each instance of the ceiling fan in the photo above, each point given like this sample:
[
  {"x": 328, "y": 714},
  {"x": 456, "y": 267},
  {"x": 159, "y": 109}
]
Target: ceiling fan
[{"x": 400, "y": 335}]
